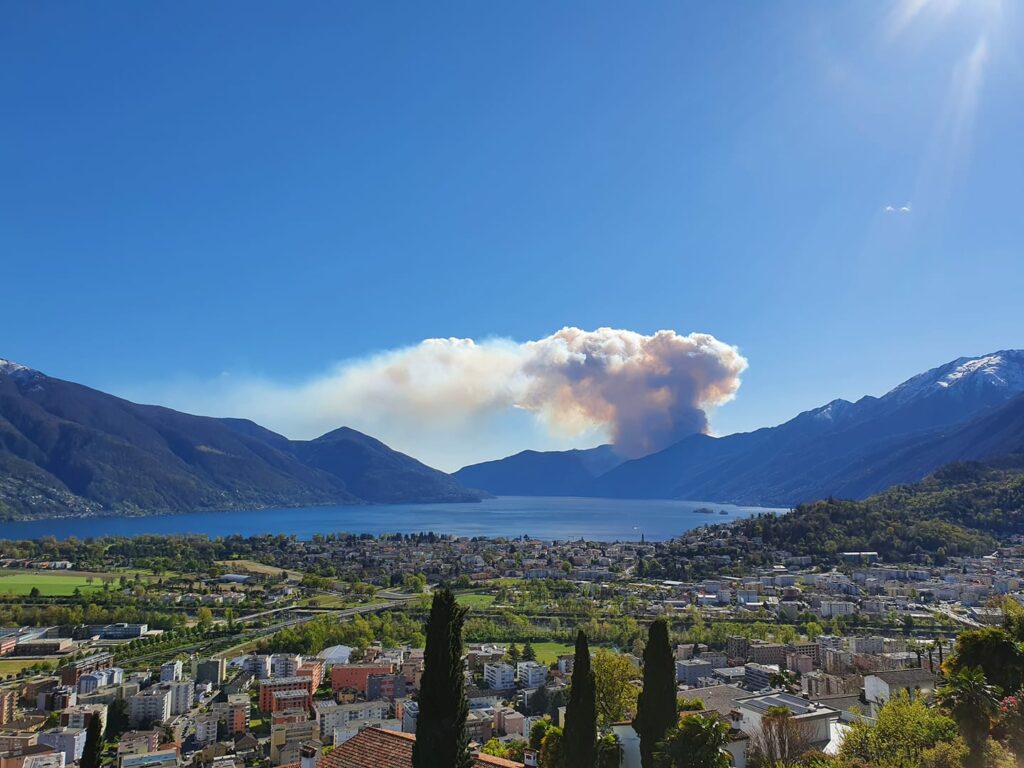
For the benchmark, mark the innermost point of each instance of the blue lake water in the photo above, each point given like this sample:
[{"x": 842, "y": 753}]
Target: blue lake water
[{"x": 538, "y": 516}]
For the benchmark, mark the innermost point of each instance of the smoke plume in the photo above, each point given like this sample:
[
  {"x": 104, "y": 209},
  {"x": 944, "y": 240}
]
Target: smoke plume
[{"x": 641, "y": 392}]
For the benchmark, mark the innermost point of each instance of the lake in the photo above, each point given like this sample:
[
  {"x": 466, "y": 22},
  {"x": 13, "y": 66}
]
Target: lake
[{"x": 537, "y": 516}]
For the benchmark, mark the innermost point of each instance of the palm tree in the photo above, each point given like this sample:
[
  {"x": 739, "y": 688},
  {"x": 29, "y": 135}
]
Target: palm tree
[
  {"x": 972, "y": 702},
  {"x": 697, "y": 742}
]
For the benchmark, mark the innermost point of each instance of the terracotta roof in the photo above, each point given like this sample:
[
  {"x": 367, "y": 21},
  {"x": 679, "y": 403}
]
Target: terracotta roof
[{"x": 380, "y": 748}]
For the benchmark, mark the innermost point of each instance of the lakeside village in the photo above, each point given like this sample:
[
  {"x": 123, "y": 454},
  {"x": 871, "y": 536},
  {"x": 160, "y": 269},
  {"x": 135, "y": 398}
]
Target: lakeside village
[{"x": 158, "y": 652}]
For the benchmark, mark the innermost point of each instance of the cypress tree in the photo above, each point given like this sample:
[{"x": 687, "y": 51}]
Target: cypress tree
[
  {"x": 93, "y": 744},
  {"x": 580, "y": 736},
  {"x": 441, "y": 740},
  {"x": 656, "y": 706}
]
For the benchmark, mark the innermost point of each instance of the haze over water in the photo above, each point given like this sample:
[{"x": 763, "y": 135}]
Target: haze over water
[{"x": 511, "y": 516}]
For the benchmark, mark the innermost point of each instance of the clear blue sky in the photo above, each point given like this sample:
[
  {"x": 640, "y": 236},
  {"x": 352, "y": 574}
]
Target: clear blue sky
[{"x": 192, "y": 188}]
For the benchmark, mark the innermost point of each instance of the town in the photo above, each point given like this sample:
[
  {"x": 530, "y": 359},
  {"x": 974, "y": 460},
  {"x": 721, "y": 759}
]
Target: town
[{"x": 275, "y": 651}]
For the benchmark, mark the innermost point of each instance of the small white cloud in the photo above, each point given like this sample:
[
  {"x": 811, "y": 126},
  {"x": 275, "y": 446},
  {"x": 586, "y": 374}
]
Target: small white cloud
[{"x": 894, "y": 209}]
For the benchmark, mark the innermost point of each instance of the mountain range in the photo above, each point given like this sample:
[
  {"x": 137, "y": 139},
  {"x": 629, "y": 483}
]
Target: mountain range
[
  {"x": 66, "y": 448},
  {"x": 69, "y": 449},
  {"x": 970, "y": 408}
]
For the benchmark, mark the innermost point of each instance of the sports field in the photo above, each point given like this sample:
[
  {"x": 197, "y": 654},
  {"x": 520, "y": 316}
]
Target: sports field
[{"x": 17, "y": 582}]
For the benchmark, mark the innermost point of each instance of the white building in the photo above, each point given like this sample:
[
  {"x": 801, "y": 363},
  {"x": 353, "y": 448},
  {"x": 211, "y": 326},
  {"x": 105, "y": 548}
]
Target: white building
[
  {"x": 69, "y": 741},
  {"x": 182, "y": 696},
  {"x": 815, "y": 719},
  {"x": 882, "y": 686},
  {"x": 150, "y": 705},
  {"x": 101, "y": 678},
  {"x": 206, "y": 728},
  {"x": 259, "y": 665},
  {"x": 333, "y": 716},
  {"x": 531, "y": 674},
  {"x": 500, "y": 676},
  {"x": 171, "y": 671},
  {"x": 285, "y": 664}
]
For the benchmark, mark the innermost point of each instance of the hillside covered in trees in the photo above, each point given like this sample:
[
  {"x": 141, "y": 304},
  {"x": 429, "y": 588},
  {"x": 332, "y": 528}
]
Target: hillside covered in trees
[{"x": 962, "y": 508}]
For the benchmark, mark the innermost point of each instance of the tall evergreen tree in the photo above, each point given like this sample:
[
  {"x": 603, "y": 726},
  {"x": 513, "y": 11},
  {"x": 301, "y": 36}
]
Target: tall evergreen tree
[
  {"x": 528, "y": 653},
  {"x": 656, "y": 706},
  {"x": 441, "y": 740},
  {"x": 580, "y": 736},
  {"x": 93, "y": 744}
]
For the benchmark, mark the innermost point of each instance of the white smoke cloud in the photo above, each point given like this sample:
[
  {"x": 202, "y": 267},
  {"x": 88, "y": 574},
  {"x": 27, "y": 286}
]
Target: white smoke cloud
[{"x": 643, "y": 392}]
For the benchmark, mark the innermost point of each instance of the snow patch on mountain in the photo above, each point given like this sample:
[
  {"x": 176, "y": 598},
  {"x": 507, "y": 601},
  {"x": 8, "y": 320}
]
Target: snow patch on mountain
[
  {"x": 1003, "y": 370},
  {"x": 12, "y": 368}
]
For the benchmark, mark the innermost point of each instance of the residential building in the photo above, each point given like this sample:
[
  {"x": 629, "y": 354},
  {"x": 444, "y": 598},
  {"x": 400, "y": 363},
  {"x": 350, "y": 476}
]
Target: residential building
[
  {"x": 388, "y": 687},
  {"x": 171, "y": 671},
  {"x": 182, "y": 696},
  {"x": 71, "y": 672},
  {"x": 757, "y": 677},
  {"x": 279, "y": 685},
  {"x": 500, "y": 676},
  {"x": 689, "y": 671},
  {"x": 70, "y": 741},
  {"x": 211, "y": 671},
  {"x": 206, "y": 727},
  {"x": 150, "y": 705},
  {"x": 355, "y": 676},
  {"x": 531, "y": 674}
]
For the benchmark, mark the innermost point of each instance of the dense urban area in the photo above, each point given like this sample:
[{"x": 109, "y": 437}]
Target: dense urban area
[{"x": 158, "y": 652}]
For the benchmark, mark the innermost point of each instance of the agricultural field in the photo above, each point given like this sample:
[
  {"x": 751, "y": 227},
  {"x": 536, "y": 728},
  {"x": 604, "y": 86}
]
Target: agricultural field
[{"x": 50, "y": 584}]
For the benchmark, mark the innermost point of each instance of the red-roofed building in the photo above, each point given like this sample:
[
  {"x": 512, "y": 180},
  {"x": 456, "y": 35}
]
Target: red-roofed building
[{"x": 376, "y": 748}]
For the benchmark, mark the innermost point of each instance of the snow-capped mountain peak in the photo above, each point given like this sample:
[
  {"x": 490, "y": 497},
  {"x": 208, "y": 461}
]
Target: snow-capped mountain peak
[
  {"x": 10, "y": 367},
  {"x": 832, "y": 411},
  {"x": 1001, "y": 371}
]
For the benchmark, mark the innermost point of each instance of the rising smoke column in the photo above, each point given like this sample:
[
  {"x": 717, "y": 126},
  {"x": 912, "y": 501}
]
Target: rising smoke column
[
  {"x": 649, "y": 391},
  {"x": 643, "y": 391}
]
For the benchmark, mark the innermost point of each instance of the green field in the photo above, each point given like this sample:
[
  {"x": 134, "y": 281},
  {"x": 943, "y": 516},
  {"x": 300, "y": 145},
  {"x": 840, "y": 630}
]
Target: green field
[
  {"x": 14, "y": 666},
  {"x": 49, "y": 584},
  {"x": 549, "y": 652},
  {"x": 475, "y": 600}
]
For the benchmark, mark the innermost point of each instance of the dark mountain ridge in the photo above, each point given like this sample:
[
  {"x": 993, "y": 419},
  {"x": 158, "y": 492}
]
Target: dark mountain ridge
[
  {"x": 843, "y": 448},
  {"x": 66, "y": 448}
]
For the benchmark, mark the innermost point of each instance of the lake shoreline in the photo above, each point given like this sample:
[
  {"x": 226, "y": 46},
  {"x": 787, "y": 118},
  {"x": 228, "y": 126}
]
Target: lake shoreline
[{"x": 543, "y": 517}]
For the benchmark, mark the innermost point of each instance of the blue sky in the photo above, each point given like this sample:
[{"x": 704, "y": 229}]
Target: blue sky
[{"x": 194, "y": 192}]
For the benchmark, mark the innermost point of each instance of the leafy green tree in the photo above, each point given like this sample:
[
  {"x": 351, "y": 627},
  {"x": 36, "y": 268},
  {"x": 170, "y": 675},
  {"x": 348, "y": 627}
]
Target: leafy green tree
[
  {"x": 552, "y": 749},
  {"x": 537, "y": 731},
  {"x": 580, "y": 736},
  {"x": 656, "y": 705},
  {"x": 513, "y": 653},
  {"x": 609, "y": 752},
  {"x": 204, "y": 618},
  {"x": 441, "y": 739},
  {"x": 93, "y": 744},
  {"x": 973, "y": 702},
  {"x": 994, "y": 651},
  {"x": 616, "y": 695},
  {"x": 903, "y": 733},
  {"x": 697, "y": 742}
]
